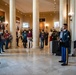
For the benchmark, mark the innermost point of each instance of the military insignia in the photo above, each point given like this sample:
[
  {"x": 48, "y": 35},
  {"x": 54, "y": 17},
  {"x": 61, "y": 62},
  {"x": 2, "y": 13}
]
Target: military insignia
[{"x": 64, "y": 33}]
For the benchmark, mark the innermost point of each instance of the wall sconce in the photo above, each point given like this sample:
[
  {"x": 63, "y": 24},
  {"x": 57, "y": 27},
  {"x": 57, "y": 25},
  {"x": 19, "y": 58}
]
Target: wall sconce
[
  {"x": 70, "y": 16},
  {"x": 6, "y": 23},
  {"x": 46, "y": 25}
]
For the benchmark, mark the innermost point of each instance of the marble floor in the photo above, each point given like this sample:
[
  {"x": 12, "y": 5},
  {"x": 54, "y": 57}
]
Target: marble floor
[{"x": 34, "y": 62}]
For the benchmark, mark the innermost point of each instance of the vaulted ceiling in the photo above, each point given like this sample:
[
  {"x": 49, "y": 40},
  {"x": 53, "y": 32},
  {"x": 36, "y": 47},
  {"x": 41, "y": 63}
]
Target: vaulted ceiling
[{"x": 26, "y": 6}]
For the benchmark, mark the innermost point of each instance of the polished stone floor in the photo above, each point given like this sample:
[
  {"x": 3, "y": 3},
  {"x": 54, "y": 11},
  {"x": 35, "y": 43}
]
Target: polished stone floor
[{"x": 34, "y": 62}]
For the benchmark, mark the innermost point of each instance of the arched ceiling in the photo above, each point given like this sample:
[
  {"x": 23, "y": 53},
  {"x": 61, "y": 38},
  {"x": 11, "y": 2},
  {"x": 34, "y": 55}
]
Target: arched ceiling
[{"x": 25, "y": 6}]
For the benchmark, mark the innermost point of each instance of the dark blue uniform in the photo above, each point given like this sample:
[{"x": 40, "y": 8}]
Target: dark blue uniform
[{"x": 65, "y": 45}]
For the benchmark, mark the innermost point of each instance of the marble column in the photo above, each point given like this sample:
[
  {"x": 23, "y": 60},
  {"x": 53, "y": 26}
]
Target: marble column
[
  {"x": 13, "y": 21},
  {"x": 72, "y": 24},
  {"x": 67, "y": 15},
  {"x": 75, "y": 19},
  {"x": 35, "y": 23},
  {"x": 7, "y": 21},
  {"x": 63, "y": 12}
]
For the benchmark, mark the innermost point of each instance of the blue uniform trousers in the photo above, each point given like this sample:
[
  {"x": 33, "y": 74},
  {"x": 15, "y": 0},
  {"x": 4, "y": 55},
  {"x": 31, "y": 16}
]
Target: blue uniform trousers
[{"x": 63, "y": 53}]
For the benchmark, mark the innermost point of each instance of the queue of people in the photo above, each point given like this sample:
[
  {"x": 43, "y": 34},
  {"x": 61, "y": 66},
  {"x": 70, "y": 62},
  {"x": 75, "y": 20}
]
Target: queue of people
[
  {"x": 27, "y": 38},
  {"x": 63, "y": 37},
  {"x": 5, "y": 39}
]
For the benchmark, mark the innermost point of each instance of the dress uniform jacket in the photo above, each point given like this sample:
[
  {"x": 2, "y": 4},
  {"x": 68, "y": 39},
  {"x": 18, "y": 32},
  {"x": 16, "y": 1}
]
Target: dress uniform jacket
[{"x": 65, "y": 39}]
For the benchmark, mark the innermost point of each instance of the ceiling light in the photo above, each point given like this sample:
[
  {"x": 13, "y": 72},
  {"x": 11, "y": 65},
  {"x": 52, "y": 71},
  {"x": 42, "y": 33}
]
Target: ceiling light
[{"x": 6, "y": 4}]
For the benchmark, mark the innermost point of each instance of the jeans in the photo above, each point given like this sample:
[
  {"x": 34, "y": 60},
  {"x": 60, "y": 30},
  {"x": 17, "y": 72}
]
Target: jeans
[
  {"x": 29, "y": 43},
  {"x": 24, "y": 43},
  {"x": 0, "y": 46},
  {"x": 7, "y": 42},
  {"x": 42, "y": 43}
]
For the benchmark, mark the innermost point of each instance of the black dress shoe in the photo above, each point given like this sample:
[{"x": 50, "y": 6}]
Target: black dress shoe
[
  {"x": 64, "y": 64},
  {"x": 3, "y": 51},
  {"x": 61, "y": 61},
  {"x": 6, "y": 48}
]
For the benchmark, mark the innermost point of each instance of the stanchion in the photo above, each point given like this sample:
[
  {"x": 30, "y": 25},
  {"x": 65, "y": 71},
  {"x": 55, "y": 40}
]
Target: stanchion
[{"x": 67, "y": 56}]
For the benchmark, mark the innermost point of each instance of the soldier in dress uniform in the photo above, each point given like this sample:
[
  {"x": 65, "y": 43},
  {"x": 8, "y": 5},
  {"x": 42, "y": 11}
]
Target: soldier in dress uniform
[{"x": 64, "y": 46}]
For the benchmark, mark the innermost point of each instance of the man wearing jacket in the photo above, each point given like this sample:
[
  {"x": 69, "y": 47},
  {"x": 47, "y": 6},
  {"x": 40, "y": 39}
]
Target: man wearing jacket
[
  {"x": 24, "y": 38},
  {"x": 42, "y": 38},
  {"x": 65, "y": 46}
]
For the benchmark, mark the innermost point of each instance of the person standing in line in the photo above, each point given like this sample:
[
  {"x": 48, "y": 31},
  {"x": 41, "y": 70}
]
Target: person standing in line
[
  {"x": 3, "y": 42},
  {"x": 46, "y": 38},
  {"x": 60, "y": 38},
  {"x": 7, "y": 39},
  {"x": 65, "y": 46},
  {"x": 50, "y": 37},
  {"x": 0, "y": 40},
  {"x": 2, "y": 33},
  {"x": 10, "y": 39},
  {"x": 54, "y": 42},
  {"x": 42, "y": 38},
  {"x": 29, "y": 39},
  {"x": 24, "y": 38},
  {"x": 17, "y": 39}
]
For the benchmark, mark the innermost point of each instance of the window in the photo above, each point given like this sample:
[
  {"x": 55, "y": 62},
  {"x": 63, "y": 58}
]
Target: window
[
  {"x": 56, "y": 24},
  {"x": 25, "y": 25}
]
